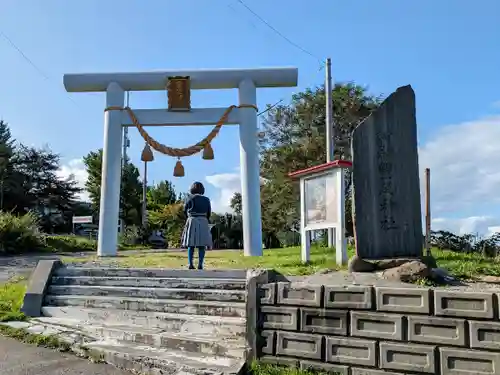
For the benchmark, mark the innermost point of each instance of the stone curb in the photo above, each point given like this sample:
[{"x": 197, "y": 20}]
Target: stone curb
[{"x": 37, "y": 287}]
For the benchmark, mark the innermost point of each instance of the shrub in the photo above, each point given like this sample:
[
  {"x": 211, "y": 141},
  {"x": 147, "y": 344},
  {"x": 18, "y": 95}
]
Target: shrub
[
  {"x": 171, "y": 220},
  {"x": 69, "y": 244},
  {"x": 19, "y": 234},
  {"x": 487, "y": 246},
  {"x": 132, "y": 235}
]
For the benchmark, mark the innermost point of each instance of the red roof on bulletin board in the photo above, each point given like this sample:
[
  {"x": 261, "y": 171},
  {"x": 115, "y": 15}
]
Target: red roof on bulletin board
[{"x": 320, "y": 168}]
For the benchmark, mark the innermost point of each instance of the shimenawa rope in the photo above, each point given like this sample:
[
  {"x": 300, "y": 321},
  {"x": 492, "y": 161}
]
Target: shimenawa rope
[{"x": 204, "y": 144}]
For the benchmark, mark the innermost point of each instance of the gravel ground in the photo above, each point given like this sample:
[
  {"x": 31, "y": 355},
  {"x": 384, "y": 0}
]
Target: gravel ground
[{"x": 20, "y": 265}]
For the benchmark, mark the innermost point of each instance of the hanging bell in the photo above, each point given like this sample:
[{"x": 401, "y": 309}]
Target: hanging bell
[
  {"x": 208, "y": 152},
  {"x": 147, "y": 153},
  {"x": 179, "y": 169}
]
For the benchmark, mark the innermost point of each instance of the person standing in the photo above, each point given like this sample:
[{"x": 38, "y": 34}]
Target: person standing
[{"x": 196, "y": 233}]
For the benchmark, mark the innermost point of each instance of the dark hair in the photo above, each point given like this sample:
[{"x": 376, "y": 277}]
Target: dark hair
[{"x": 197, "y": 188}]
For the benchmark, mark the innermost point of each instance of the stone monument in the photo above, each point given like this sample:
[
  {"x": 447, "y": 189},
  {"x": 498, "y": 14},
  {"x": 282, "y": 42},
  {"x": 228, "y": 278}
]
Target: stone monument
[{"x": 387, "y": 211}]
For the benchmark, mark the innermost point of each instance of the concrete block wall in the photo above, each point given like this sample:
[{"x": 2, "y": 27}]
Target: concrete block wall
[{"x": 367, "y": 330}]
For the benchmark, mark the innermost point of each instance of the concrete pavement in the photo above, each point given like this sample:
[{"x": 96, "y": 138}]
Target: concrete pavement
[{"x": 17, "y": 358}]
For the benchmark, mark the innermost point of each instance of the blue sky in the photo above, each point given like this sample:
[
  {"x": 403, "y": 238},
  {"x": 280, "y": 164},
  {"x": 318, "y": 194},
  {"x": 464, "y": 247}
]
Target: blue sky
[{"x": 447, "y": 50}]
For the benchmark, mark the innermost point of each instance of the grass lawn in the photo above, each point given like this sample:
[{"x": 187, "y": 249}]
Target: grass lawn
[
  {"x": 467, "y": 266},
  {"x": 257, "y": 368},
  {"x": 11, "y": 300},
  {"x": 79, "y": 244},
  {"x": 287, "y": 261}
]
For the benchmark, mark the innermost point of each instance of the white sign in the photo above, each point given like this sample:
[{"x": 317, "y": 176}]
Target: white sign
[
  {"x": 320, "y": 195},
  {"x": 82, "y": 219}
]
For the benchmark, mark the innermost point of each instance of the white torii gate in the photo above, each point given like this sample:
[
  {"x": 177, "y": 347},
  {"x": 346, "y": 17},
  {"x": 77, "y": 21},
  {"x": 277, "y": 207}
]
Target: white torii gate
[{"x": 115, "y": 85}]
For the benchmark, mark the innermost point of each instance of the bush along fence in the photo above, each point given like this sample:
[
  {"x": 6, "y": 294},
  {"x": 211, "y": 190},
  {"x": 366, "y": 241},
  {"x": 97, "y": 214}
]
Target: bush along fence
[{"x": 370, "y": 330}]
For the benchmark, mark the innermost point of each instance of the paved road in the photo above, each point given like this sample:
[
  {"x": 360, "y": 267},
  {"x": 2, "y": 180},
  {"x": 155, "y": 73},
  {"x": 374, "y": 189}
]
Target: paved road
[{"x": 20, "y": 359}]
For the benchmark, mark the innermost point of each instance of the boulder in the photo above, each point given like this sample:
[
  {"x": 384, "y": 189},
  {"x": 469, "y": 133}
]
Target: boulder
[
  {"x": 408, "y": 272},
  {"x": 356, "y": 264}
]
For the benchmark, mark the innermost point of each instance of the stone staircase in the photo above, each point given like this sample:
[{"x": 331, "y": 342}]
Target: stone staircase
[{"x": 152, "y": 321}]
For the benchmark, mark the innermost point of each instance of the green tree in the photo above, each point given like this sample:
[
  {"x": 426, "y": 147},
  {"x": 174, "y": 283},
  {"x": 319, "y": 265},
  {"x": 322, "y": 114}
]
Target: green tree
[
  {"x": 41, "y": 189},
  {"x": 227, "y": 232},
  {"x": 7, "y": 148},
  {"x": 81, "y": 208},
  {"x": 170, "y": 218},
  {"x": 93, "y": 166},
  {"x": 29, "y": 181},
  {"x": 294, "y": 139},
  {"x": 6, "y": 136},
  {"x": 131, "y": 187},
  {"x": 236, "y": 203},
  {"x": 160, "y": 195},
  {"x": 131, "y": 195}
]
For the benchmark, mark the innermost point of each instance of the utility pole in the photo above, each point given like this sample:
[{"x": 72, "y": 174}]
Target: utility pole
[
  {"x": 427, "y": 211},
  {"x": 145, "y": 196},
  {"x": 126, "y": 144},
  {"x": 330, "y": 130}
]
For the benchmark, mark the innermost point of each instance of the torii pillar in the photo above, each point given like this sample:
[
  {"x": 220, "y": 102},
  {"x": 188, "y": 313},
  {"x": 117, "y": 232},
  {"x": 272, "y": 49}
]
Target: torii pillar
[{"x": 115, "y": 84}]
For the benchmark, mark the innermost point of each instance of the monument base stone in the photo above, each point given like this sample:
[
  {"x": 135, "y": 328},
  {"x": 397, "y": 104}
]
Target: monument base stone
[{"x": 396, "y": 269}]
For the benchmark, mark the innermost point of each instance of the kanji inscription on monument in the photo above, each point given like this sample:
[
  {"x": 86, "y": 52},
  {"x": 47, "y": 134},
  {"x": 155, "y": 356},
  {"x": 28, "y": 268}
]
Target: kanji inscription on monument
[{"x": 386, "y": 181}]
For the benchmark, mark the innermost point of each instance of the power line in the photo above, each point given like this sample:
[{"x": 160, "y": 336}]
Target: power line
[
  {"x": 270, "y": 107},
  {"x": 262, "y": 133},
  {"x": 281, "y": 100},
  {"x": 322, "y": 66},
  {"x": 13, "y": 45},
  {"x": 29, "y": 61},
  {"x": 291, "y": 42},
  {"x": 239, "y": 14}
]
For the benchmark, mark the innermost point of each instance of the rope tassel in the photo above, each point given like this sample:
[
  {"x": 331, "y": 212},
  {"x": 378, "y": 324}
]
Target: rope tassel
[
  {"x": 179, "y": 169},
  {"x": 208, "y": 152},
  {"x": 147, "y": 153}
]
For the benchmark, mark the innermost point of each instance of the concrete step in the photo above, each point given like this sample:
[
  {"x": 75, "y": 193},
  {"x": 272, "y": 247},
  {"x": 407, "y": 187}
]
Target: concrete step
[
  {"x": 149, "y": 273},
  {"x": 194, "y": 341},
  {"x": 156, "y": 293},
  {"x": 216, "y": 308},
  {"x": 153, "y": 361},
  {"x": 146, "y": 282},
  {"x": 175, "y": 323}
]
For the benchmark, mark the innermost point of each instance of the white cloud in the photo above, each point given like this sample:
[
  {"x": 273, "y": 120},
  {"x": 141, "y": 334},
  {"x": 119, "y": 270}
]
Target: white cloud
[
  {"x": 464, "y": 160},
  {"x": 76, "y": 169},
  {"x": 494, "y": 229},
  {"x": 227, "y": 184},
  {"x": 483, "y": 225}
]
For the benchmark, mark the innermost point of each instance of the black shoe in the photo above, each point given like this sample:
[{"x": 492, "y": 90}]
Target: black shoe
[
  {"x": 191, "y": 267},
  {"x": 200, "y": 267}
]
